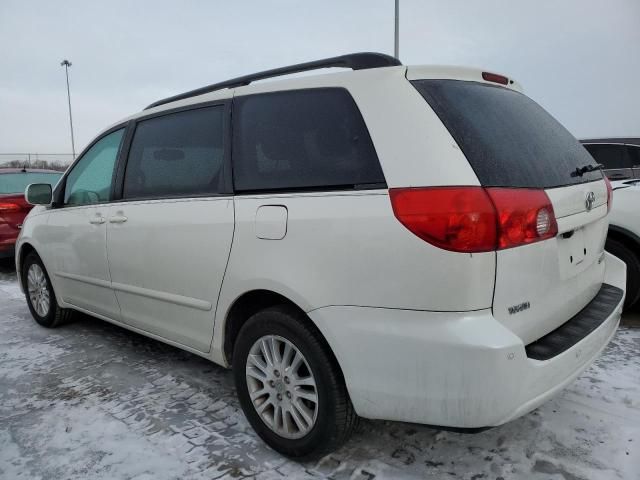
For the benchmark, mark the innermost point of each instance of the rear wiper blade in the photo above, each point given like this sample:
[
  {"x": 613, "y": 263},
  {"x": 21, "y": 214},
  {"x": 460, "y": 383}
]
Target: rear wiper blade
[{"x": 580, "y": 171}]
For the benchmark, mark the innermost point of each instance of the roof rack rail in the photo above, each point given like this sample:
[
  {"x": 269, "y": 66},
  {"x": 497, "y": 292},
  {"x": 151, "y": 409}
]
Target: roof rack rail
[{"x": 354, "y": 61}]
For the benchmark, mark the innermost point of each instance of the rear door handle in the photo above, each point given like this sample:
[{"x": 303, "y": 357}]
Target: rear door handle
[
  {"x": 97, "y": 220},
  {"x": 118, "y": 219}
]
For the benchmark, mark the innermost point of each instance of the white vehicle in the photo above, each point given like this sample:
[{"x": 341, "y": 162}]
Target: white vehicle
[
  {"x": 619, "y": 157},
  {"x": 623, "y": 239},
  {"x": 422, "y": 244}
]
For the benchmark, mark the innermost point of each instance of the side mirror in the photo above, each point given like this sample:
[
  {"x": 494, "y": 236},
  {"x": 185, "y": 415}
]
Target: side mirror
[{"x": 38, "y": 194}]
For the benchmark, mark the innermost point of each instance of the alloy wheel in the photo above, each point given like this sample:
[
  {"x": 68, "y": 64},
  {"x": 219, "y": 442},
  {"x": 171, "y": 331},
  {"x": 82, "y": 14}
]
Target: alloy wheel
[
  {"x": 38, "y": 289},
  {"x": 282, "y": 387}
]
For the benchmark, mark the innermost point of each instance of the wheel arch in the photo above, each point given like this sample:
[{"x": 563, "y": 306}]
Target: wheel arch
[
  {"x": 625, "y": 237},
  {"x": 25, "y": 249},
  {"x": 22, "y": 252},
  {"x": 252, "y": 302},
  {"x": 631, "y": 242}
]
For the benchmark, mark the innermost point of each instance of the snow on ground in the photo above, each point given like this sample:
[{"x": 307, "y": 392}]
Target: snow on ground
[
  {"x": 83, "y": 442},
  {"x": 10, "y": 289},
  {"x": 93, "y": 401}
]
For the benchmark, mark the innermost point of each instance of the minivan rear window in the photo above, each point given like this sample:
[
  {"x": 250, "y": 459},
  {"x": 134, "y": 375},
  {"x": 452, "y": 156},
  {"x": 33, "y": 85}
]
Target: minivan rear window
[{"x": 509, "y": 140}]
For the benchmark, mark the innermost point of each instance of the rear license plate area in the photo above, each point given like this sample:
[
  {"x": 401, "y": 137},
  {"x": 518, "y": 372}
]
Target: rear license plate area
[{"x": 572, "y": 250}]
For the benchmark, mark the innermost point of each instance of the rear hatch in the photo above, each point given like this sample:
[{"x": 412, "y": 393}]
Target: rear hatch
[{"x": 512, "y": 142}]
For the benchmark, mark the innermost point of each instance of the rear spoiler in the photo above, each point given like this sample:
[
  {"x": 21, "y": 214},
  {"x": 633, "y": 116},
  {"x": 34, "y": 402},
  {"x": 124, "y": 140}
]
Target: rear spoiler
[{"x": 425, "y": 72}]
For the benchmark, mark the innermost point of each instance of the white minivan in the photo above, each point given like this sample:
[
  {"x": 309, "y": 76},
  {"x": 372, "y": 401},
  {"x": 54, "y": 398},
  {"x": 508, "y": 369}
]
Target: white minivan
[{"x": 421, "y": 244}]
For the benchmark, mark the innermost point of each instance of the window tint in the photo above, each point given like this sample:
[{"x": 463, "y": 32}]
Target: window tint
[
  {"x": 304, "y": 139},
  {"x": 17, "y": 182},
  {"x": 179, "y": 154},
  {"x": 634, "y": 155},
  {"x": 611, "y": 156},
  {"x": 90, "y": 179},
  {"x": 508, "y": 139}
]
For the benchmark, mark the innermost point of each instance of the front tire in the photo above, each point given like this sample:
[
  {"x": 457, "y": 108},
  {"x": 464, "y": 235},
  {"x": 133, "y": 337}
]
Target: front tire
[
  {"x": 40, "y": 297},
  {"x": 628, "y": 256},
  {"x": 290, "y": 386}
]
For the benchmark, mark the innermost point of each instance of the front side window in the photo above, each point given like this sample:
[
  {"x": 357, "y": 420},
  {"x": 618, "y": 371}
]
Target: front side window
[
  {"x": 178, "y": 154},
  {"x": 90, "y": 179},
  {"x": 302, "y": 139}
]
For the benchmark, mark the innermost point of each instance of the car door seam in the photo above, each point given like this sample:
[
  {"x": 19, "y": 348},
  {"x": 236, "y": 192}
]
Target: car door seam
[
  {"x": 224, "y": 274},
  {"x": 106, "y": 248}
]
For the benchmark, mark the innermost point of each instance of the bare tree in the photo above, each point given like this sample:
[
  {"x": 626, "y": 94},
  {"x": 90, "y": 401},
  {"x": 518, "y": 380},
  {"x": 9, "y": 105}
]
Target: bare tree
[{"x": 45, "y": 164}]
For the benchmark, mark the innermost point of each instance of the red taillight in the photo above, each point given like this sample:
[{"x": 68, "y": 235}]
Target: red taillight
[
  {"x": 495, "y": 78},
  {"x": 461, "y": 219},
  {"x": 475, "y": 219},
  {"x": 609, "y": 194},
  {"x": 524, "y": 216},
  {"x": 8, "y": 207}
]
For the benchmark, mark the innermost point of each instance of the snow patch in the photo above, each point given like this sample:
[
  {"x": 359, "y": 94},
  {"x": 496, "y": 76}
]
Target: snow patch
[
  {"x": 18, "y": 359},
  {"x": 83, "y": 442},
  {"x": 11, "y": 290}
]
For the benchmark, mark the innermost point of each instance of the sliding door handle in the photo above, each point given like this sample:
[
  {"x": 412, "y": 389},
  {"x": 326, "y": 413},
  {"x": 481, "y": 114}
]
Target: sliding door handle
[
  {"x": 97, "y": 221},
  {"x": 118, "y": 219}
]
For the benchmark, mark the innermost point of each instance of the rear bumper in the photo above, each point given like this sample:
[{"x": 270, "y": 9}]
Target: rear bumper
[
  {"x": 463, "y": 370},
  {"x": 8, "y": 238},
  {"x": 7, "y": 249}
]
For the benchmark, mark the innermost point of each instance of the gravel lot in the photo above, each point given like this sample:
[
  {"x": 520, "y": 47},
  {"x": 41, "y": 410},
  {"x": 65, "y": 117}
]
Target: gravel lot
[{"x": 93, "y": 401}]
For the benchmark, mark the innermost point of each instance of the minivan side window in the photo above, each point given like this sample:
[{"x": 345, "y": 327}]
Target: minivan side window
[
  {"x": 176, "y": 155},
  {"x": 610, "y": 156},
  {"x": 302, "y": 139},
  {"x": 634, "y": 155},
  {"x": 90, "y": 179}
]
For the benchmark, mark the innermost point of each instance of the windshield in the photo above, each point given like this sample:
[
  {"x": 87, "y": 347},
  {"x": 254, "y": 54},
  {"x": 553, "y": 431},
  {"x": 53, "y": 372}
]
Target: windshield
[
  {"x": 17, "y": 182},
  {"x": 509, "y": 140}
]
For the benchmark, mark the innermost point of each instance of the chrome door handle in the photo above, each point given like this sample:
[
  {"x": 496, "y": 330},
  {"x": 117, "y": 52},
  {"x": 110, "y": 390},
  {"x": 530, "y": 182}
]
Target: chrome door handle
[
  {"x": 118, "y": 219},
  {"x": 97, "y": 221}
]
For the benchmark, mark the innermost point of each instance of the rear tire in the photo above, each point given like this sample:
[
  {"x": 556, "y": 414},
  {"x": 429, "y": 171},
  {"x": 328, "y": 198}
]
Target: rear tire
[
  {"x": 40, "y": 296},
  {"x": 324, "y": 407},
  {"x": 632, "y": 260}
]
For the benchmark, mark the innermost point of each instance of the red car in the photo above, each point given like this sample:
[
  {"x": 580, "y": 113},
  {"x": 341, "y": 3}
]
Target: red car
[{"x": 13, "y": 206}]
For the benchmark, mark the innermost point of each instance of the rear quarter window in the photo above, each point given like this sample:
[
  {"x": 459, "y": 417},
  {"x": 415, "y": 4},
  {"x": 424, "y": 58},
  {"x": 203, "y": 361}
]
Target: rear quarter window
[
  {"x": 508, "y": 139},
  {"x": 311, "y": 139}
]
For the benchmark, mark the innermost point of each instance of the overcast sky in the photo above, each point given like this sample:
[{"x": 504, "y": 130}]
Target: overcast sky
[{"x": 579, "y": 59}]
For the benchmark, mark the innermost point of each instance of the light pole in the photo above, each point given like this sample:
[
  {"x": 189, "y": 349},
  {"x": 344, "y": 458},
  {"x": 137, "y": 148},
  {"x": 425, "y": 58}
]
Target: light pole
[
  {"x": 396, "y": 42},
  {"x": 66, "y": 64}
]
